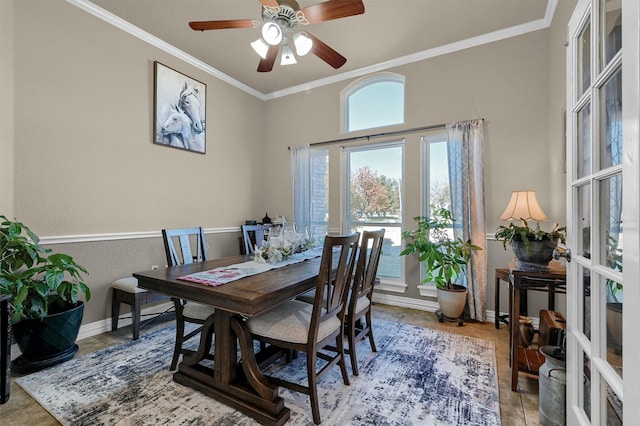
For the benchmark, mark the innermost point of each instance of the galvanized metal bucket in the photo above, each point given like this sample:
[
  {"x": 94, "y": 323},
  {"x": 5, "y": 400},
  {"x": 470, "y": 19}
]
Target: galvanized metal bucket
[{"x": 552, "y": 379}]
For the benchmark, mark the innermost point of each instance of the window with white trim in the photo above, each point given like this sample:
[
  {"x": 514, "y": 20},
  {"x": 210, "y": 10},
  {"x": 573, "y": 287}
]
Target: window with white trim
[
  {"x": 435, "y": 181},
  {"x": 373, "y": 192},
  {"x": 374, "y": 102},
  {"x": 319, "y": 197}
]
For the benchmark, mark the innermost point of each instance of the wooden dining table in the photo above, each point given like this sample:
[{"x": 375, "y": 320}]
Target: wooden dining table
[{"x": 234, "y": 380}]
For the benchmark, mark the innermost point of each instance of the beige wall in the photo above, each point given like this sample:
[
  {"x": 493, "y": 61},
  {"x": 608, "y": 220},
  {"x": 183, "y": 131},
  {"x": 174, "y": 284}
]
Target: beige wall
[
  {"x": 6, "y": 108},
  {"x": 83, "y": 143},
  {"x": 506, "y": 83},
  {"x": 85, "y": 162}
]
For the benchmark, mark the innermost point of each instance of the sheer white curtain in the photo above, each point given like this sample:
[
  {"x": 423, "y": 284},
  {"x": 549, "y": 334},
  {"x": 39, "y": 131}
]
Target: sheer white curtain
[
  {"x": 466, "y": 179},
  {"x": 301, "y": 186}
]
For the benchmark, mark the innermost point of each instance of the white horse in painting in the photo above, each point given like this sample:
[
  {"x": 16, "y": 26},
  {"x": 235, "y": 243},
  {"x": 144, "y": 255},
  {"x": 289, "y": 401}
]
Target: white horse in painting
[
  {"x": 178, "y": 127},
  {"x": 189, "y": 102}
]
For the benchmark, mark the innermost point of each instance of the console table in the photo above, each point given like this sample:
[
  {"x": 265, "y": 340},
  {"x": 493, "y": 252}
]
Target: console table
[{"x": 551, "y": 279}]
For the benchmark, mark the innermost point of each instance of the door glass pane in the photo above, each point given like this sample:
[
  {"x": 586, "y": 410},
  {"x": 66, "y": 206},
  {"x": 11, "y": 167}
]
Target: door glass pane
[
  {"x": 586, "y": 385},
  {"x": 586, "y": 300},
  {"x": 611, "y": 222},
  {"x": 614, "y": 324},
  {"x": 612, "y": 26},
  {"x": 611, "y": 121},
  {"x": 584, "y": 141},
  {"x": 584, "y": 59},
  {"x": 612, "y": 406},
  {"x": 584, "y": 212}
]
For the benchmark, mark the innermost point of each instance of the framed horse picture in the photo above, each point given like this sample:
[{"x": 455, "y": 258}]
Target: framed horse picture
[{"x": 180, "y": 105}]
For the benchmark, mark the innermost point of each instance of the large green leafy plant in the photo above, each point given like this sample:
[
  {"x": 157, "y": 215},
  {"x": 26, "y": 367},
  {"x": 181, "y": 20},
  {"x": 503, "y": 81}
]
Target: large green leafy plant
[
  {"x": 444, "y": 257},
  {"x": 39, "y": 283}
]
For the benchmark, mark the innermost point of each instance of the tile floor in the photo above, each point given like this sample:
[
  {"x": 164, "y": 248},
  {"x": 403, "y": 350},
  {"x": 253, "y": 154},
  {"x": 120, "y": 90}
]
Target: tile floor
[{"x": 517, "y": 408}]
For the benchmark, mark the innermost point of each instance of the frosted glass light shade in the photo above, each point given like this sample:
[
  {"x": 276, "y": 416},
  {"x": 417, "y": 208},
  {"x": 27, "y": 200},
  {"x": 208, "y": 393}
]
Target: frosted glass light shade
[
  {"x": 287, "y": 57},
  {"x": 303, "y": 43},
  {"x": 260, "y": 47},
  {"x": 272, "y": 33},
  {"x": 524, "y": 205}
]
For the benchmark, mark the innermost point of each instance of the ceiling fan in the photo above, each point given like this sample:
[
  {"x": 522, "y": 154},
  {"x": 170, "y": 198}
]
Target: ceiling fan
[{"x": 281, "y": 22}]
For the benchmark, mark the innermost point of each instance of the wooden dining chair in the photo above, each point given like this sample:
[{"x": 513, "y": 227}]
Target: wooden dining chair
[
  {"x": 301, "y": 327},
  {"x": 187, "y": 240},
  {"x": 358, "y": 323},
  {"x": 253, "y": 235}
]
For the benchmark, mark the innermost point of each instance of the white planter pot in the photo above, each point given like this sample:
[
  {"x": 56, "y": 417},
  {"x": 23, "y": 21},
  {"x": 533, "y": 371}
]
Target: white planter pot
[{"x": 452, "y": 301}]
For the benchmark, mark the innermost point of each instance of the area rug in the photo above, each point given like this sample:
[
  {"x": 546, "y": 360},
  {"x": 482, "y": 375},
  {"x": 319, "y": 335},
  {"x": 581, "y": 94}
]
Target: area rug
[{"x": 418, "y": 377}]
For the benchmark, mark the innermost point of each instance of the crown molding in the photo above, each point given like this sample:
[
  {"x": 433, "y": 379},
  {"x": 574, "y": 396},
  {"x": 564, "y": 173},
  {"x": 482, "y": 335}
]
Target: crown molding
[
  {"x": 491, "y": 37},
  {"x": 494, "y": 36},
  {"x": 120, "y": 23}
]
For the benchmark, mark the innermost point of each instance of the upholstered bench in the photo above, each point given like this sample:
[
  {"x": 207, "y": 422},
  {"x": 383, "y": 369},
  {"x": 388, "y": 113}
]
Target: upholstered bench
[{"x": 126, "y": 290}]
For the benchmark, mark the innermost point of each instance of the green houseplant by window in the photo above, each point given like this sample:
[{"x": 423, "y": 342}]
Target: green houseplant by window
[
  {"x": 444, "y": 257},
  {"x": 44, "y": 290}
]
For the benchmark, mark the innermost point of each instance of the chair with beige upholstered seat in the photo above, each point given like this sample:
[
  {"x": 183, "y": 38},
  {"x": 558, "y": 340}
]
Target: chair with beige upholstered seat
[
  {"x": 186, "y": 311},
  {"x": 358, "y": 325},
  {"x": 126, "y": 290},
  {"x": 299, "y": 326}
]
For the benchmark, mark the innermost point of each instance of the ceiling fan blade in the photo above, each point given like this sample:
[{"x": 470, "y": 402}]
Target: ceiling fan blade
[
  {"x": 327, "y": 54},
  {"x": 273, "y": 3},
  {"x": 222, "y": 25},
  {"x": 266, "y": 64},
  {"x": 333, "y": 9}
]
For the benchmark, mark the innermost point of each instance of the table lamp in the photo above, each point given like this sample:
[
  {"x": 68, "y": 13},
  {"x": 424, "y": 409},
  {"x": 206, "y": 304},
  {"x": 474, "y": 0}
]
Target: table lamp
[{"x": 524, "y": 205}]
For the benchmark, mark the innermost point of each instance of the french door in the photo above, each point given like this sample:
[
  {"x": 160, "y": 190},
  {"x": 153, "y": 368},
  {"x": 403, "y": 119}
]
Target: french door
[{"x": 603, "y": 301}]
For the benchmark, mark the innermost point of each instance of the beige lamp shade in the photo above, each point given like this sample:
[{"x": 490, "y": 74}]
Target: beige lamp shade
[{"x": 524, "y": 205}]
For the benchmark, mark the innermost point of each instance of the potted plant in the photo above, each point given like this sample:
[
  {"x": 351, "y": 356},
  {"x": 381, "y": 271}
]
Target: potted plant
[
  {"x": 444, "y": 258},
  {"x": 44, "y": 290},
  {"x": 533, "y": 247}
]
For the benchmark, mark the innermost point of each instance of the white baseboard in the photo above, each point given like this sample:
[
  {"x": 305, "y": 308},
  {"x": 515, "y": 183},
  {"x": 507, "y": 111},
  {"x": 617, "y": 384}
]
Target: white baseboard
[
  {"x": 429, "y": 306},
  {"x": 104, "y": 326}
]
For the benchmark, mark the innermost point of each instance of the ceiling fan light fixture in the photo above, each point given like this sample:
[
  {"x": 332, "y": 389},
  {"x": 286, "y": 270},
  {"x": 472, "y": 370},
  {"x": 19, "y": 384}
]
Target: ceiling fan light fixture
[
  {"x": 272, "y": 33},
  {"x": 303, "y": 43},
  {"x": 287, "y": 57},
  {"x": 260, "y": 47}
]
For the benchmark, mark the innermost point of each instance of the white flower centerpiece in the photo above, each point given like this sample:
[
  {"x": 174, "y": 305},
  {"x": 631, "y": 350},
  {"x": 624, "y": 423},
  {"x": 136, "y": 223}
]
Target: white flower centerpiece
[{"x": 282, "y": 243}]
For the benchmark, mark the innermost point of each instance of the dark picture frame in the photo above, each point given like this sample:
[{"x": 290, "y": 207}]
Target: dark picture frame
[{"x": 179, "y": 105}]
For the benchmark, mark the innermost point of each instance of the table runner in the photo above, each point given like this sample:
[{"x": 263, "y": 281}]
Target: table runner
[{"x": 226, "y": 274}]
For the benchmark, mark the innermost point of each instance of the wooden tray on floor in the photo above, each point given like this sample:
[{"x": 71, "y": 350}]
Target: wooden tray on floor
[{"x": 529, "y": 360}]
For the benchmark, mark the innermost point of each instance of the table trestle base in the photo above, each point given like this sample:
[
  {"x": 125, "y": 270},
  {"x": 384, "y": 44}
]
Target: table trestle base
[{"x": 237, "y": 395}]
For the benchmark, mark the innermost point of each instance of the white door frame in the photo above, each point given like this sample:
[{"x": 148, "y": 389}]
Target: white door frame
[{"x": 631, "y": 213}]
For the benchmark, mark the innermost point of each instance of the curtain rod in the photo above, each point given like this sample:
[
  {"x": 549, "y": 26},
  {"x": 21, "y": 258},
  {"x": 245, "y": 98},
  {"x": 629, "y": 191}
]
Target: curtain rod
[{"x": 379, "y": 135}]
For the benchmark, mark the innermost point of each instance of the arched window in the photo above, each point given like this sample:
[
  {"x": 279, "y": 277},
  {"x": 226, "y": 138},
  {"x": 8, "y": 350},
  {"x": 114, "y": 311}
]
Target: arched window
[{"x": 375, "y": 101}]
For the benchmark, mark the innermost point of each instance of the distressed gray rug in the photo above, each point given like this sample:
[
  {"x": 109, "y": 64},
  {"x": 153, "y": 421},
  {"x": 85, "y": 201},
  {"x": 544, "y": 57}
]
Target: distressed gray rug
[{"x": 418, "y": 377}]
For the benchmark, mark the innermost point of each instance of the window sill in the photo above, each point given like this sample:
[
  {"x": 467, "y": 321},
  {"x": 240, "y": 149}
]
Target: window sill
[
  {"x": 428, "y": 290},
  {"x": 392, "y": 286}
]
